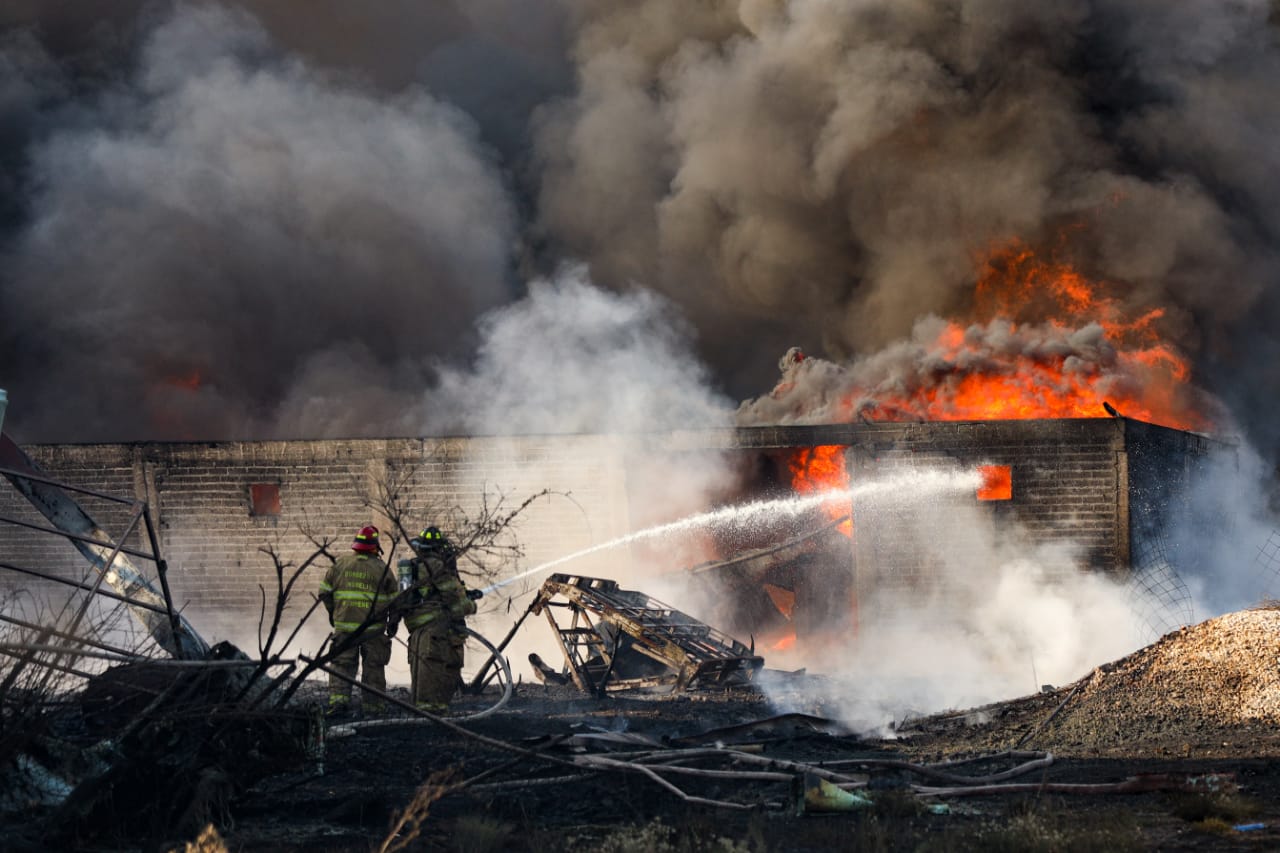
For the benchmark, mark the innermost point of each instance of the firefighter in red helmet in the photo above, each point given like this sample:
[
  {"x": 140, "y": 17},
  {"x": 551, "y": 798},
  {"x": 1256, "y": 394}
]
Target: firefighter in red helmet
[{"x": 357, "y": 591}]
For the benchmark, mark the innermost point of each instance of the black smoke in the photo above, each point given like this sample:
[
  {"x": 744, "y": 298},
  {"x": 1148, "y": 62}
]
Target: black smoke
[{"x": 283, "y": 218}]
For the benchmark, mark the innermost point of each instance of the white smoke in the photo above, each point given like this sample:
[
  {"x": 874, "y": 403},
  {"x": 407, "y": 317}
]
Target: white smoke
[
  {"x": 1222, "y": 545},
  {"x": 573, "y": 358},
  {"x": 998, "y": 616}
]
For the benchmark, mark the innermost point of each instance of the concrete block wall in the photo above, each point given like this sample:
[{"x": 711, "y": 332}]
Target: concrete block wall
[
  {"x": 199, "y": 498},
  {"x": 1068, "y": 485},
  {"x": 1073, "y": 480}
]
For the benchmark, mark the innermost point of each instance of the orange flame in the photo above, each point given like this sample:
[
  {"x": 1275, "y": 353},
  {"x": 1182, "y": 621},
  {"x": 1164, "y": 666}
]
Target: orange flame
[
  {"x": 820, "y": 469},
  {"x": 783, "y": 599},
  {"x": 997, "y": 483},
  {"x": 787, "y": 642},
  {"x": 1055, "y": 314}
]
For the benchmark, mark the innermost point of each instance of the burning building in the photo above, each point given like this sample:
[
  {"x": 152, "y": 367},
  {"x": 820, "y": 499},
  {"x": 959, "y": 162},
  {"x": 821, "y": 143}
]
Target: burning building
[
  {"x": 1117, "y": 495},
  {"x": 1066, "y": 405},
  {"x": 1111, "y": 487}
]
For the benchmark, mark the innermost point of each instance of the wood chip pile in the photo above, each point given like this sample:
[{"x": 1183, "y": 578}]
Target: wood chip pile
[{"x": 1209, "y": 690}]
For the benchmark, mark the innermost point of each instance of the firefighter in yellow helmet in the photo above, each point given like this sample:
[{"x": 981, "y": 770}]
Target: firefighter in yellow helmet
[
  {"x": 435, "y": 610},
  {"x": 357, "y": 591}
]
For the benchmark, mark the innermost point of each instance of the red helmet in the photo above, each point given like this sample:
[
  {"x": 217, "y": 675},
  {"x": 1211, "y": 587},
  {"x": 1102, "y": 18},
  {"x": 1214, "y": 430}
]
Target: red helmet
[{"x": 367, "y": 540}]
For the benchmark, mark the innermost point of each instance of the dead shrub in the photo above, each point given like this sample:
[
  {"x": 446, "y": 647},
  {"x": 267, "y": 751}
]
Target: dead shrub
[{"x": 1228, "y": 807}]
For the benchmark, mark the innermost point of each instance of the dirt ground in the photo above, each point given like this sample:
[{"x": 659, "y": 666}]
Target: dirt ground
[
  {"x": 1172, "y": 748},
  {"x": 370, "y": 775}
]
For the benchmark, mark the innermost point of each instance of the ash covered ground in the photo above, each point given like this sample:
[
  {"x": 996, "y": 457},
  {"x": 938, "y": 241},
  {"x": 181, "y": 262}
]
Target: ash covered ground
[{"x": 1171, "y": 748}]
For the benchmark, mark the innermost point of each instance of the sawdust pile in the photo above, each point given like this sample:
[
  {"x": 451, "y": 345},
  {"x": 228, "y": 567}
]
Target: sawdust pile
[{"x": 1209, "y": 690}]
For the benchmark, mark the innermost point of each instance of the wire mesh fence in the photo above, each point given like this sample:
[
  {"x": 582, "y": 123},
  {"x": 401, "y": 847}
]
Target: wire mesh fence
[
  {"x": 1266, "y": 566},
  {"x": 1158, "y": 596}
]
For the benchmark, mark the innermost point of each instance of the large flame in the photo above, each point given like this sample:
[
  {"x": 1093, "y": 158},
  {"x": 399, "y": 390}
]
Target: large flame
[
  {"x": 1046, "y": 342},
  {"x": 821, "y": 469},
  {"x": 1041, "y": 341}
]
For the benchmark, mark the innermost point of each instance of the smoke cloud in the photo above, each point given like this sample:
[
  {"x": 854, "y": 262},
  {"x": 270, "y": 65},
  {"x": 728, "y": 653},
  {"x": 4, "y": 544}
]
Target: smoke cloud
[
  {"x": 309, "y": 218},
  {"x": 573, "y": 358},
  {"x": 827, "y": 171},
  {"x": 232, "y": 244},
  {"x": 224, "y": 191}
]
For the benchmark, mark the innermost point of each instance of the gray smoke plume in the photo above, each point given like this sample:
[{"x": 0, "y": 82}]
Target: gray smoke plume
[
  {"x": 784, "y": 173},
  {"x": 829, "y": 171},
  {"x": 228, "y": 236}
]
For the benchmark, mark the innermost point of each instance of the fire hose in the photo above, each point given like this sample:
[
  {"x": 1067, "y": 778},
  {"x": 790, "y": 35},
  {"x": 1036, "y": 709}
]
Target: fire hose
[{"x": 504, "y": 667}]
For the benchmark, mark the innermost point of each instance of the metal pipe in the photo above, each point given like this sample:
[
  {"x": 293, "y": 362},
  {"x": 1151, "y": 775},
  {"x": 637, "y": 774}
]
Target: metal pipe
[
  {"x": 78, "y": 585},
  {"x": 162, "y": 571},
  {"x": 88, "y": 540},
  {"x": 22, "y": 623}
]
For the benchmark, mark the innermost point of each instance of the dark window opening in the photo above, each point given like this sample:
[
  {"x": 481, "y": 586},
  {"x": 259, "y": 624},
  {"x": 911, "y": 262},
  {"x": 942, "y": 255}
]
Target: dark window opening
[{"x": 264, "y": 500}]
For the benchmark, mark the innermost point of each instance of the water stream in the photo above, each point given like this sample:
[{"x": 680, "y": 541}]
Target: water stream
[{"x": 919, "y": 483}]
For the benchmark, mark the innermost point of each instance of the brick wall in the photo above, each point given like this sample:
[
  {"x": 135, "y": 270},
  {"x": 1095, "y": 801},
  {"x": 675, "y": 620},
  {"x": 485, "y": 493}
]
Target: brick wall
[{"x": 1066, "y": 487}]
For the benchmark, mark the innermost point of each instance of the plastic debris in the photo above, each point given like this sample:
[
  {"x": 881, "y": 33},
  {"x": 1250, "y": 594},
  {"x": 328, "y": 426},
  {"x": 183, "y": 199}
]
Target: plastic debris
[{"x": 818, "y": 795}]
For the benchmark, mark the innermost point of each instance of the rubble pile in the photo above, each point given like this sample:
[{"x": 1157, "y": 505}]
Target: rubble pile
[{"x": 1208, "y": 690}]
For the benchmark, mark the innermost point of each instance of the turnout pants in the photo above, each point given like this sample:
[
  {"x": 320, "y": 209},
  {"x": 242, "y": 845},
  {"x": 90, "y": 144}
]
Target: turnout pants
[
  {"x": 374, "y": 652},
  {"x": 435, "y": 663}
]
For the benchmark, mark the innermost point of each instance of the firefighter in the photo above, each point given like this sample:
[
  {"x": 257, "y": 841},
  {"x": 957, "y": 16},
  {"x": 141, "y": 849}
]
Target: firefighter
[
  {"x": 357, "y": 591},
  {"x": 434, "y": 611}
]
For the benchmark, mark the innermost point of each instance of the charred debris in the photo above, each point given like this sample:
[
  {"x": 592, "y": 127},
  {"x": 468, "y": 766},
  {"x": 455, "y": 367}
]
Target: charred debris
[
  {"x": 119, "y": 723},
  {"x": 120, "y": 726},
  {"x": 117, "y": 720},
  {"x": 617, "y": 639}
]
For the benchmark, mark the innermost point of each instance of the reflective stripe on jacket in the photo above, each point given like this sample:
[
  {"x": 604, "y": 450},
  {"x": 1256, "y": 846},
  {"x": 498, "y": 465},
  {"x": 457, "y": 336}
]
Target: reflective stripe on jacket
[{"x": 356, "y": 586}]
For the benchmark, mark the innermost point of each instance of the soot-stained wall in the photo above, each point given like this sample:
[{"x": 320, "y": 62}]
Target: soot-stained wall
[
  {"x": 201, "y": 499},
  {"x": 1103, "y": 488},
  {"x": 1096, "y": 483}
]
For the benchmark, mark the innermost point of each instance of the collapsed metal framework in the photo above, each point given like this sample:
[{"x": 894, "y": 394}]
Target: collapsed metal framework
[
  {"x": 618, "y": 639},
  {"x": 107, "y": 555}
]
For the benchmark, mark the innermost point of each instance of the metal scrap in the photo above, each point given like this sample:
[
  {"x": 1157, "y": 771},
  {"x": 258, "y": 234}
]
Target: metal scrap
[{"x": 619, "y": 639}]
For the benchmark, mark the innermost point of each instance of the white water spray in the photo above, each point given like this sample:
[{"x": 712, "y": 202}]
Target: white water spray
[{"x": 926, "y": 482}]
